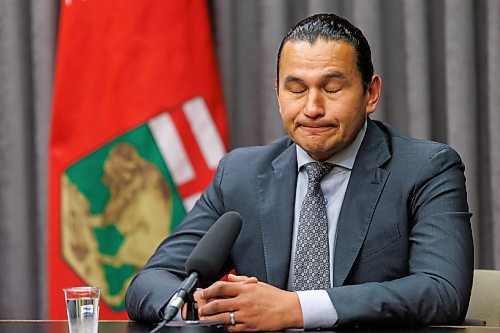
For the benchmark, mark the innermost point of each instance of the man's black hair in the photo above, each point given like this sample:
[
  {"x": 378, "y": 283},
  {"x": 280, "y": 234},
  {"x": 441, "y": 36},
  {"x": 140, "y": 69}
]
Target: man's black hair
[{"x": 331, "y": 27}]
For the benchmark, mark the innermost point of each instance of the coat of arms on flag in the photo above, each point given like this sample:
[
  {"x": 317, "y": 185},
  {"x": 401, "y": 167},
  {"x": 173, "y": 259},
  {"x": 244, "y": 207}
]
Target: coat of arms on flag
[{"x": 121, "y": 200}]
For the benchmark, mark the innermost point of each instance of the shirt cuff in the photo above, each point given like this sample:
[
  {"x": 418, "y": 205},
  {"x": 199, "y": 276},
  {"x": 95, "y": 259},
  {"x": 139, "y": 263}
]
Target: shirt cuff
[{"x": 317, "y": 309}]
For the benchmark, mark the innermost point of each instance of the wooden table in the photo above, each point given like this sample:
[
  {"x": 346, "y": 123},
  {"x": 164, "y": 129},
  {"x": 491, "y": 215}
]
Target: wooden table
[{"x": 54, "y": 326}]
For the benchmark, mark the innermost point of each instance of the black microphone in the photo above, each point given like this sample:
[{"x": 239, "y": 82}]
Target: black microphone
[{"x": 206, "y": 260}]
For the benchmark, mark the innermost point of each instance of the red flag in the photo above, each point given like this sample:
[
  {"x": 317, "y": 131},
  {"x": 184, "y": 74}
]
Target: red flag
[{"x": 138, "y": 127}]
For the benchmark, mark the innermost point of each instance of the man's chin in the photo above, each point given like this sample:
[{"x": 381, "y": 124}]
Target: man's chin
[{"x": 319, "y": 154}]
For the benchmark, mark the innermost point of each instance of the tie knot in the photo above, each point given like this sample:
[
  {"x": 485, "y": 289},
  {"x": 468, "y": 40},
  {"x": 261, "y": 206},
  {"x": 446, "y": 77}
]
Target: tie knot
[{"x": 316, "y": 171}]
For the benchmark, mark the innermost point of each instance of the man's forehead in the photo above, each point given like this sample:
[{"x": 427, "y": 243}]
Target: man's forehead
[
  {"x": 320, "y": 54},
  {"x": 317, "y": 43}
]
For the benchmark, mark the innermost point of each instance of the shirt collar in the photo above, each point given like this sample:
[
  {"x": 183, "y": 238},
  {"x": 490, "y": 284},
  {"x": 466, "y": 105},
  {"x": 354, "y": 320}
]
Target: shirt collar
[{"x": 344, "y": 158}]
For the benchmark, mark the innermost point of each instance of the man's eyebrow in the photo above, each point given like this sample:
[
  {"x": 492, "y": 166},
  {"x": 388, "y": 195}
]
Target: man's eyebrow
[
  {"x": 334, "y": 75},
  {"x": 328, "y": 76},
  {"x": 292, "y": 78}
]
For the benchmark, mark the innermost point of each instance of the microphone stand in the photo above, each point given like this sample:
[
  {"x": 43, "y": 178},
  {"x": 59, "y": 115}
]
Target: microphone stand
[
  {"x": 192, "y": 309},
  {"x": 192, "y": 323}
]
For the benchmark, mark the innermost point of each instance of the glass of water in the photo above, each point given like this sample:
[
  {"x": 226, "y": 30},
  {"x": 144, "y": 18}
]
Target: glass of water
[{"x": 82, "y": 304}]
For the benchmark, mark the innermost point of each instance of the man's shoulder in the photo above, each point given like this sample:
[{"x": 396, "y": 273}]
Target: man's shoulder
[
  {"x": 260, "y": 154},
  {"x": 402, "y": 146}
]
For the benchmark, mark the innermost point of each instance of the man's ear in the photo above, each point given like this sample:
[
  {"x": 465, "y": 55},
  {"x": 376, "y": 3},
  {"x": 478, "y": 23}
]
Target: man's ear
[
  {"x": 277, "y": 92},
  {"x": 373, "y": 92}
]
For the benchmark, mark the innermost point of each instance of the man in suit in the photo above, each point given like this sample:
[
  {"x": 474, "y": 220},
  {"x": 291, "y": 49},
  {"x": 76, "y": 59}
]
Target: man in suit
[{"x": 345, "y": 222}]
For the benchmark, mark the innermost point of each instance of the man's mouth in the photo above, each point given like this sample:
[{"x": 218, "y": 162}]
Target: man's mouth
[{"x": 316, "y": 128}]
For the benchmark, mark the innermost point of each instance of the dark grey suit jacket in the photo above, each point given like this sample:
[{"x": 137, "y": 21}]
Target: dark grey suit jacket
[{"x": 403, "y": 254}]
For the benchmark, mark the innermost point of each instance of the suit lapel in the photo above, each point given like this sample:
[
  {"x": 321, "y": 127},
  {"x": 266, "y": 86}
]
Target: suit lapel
[
  {"x": 276, "y": 194},
  {"x": 365, "y": 186}
]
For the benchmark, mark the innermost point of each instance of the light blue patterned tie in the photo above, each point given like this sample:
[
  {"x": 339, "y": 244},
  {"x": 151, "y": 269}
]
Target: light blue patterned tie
[{"x": 312, "y": 259}]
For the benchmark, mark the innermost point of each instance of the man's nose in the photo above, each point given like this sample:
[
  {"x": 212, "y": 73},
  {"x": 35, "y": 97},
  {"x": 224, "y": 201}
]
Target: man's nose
[{"x": 314, "y": 106}]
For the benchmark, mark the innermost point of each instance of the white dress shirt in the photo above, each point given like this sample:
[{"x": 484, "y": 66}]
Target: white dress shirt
[{"x": 317, "y": 308}]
